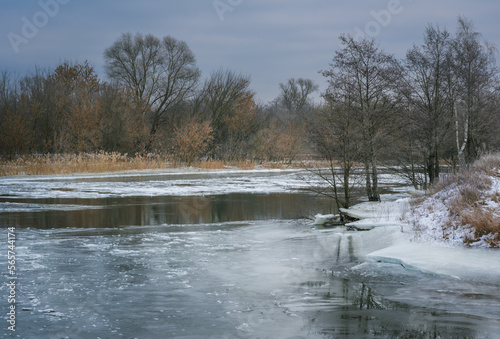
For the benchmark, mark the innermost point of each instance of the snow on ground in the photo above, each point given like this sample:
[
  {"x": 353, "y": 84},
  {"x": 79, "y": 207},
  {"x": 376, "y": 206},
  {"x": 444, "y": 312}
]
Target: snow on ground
[
  {"x": 453, "y": 215},
  {"x": 371, "y": 214},
  {"x": 376, "y": 214},
  {"x": 154, "y": 183},
  {"x": 388, "y": 221}
]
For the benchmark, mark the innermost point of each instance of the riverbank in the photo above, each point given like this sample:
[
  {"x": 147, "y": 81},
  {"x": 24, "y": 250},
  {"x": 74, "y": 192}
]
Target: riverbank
[
  {"x": 230, "y": 253},
  {"x": 463, "y": 209},
  {"x": 453, "y": 230},
  {"x": 102, "y": 162},
  {"x": 392, "y": 239}
]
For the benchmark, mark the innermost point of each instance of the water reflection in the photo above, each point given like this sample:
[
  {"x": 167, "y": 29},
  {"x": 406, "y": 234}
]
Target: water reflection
[
  {"x": 139, "y": 211},
  {"x": 354, "y": 310},
  {"x": 206, "y": 267},
  {"x": 225, "y": 281}
]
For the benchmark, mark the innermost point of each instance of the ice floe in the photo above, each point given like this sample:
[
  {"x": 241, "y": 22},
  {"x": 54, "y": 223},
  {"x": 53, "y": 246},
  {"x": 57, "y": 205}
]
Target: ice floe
[{"x": 393, "y": 241}]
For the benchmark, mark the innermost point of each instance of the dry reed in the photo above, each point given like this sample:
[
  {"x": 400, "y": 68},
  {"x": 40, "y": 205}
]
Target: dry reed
[
  {"x": 101, "y": 162},
  {"x": 80, "y": 163},
  {"x": 468, "y": 206}
]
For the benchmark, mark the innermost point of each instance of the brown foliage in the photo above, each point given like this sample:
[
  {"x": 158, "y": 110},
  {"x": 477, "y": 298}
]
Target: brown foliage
[
  {"x": 16, "y": 135},
  {"x": 241, "y": 125},
  {"x": 80, "y": 163},
  {"x": 483, "y": 222},
  {"x": 191, "y": 140},
  {"x": 279, "y": 144},
  {"x": 241, "y": 121},
  {"x": 76, "y": 88}
]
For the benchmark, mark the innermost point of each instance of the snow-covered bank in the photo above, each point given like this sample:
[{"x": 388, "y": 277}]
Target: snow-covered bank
[
  {"x": 369, "y": 214},
  {"x": 464, "y": 208},
  {"x": 392, "y": 239}
]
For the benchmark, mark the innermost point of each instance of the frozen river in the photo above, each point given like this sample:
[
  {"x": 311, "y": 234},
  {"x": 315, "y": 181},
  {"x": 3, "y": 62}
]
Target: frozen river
[{"x": 215, "y": 255}]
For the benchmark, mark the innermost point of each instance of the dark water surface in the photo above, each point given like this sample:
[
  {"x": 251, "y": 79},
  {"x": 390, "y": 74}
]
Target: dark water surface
[
  {"x": 120, "y": 257},
  {"x": 157, "y": 210}
]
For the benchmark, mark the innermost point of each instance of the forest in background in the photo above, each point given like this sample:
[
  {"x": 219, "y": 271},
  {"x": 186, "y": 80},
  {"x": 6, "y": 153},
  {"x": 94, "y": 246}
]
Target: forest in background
[{"x": 436, "y": 106}]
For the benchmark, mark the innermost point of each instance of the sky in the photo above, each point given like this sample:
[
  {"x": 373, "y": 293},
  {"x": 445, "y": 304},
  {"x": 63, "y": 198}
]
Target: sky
[{"x": 270, "y": 41}]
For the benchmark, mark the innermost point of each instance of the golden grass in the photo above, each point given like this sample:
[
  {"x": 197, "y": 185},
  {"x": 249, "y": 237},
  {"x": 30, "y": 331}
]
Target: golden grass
[
  {"x": 113, "y": 162},
  {"x": 483, "y": 222},
  {"x": 222, "y": 164},
  {"x": 80, "y": 163},
  {"x": 469, "y": 207}
]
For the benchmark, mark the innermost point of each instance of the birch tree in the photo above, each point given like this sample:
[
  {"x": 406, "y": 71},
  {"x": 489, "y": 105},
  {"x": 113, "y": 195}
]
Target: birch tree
[{"x": 475, "y": 73}]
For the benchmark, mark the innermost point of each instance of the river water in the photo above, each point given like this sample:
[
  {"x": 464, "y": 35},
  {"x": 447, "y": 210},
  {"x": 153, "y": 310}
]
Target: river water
[{"x": 215, "y": 255}]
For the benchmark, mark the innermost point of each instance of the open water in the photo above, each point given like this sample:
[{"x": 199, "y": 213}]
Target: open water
[{"x": 214, "y": 255}]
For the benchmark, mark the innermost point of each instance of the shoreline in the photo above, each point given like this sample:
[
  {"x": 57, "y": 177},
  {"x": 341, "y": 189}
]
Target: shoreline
[
  {"x": 110, "y": 163},
  {"x": 389, "y": 222}
]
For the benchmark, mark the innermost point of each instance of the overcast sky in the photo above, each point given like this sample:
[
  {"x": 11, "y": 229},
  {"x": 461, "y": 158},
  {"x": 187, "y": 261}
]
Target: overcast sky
[{"x": 269, "y": 40}]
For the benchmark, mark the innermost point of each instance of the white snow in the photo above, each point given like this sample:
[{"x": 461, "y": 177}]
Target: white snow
[
  {"x": 436, "y": 221},
  {"x": 321, "y": 219},
  {"x": 459, "y": 262},
  {"x": 378, "y": 214},
  {"x": 154, "y": 184},
  {"x": 392, "y": 240}
]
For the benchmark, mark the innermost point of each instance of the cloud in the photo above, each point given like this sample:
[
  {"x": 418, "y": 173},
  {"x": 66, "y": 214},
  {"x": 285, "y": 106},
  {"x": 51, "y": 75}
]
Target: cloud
[{"x": 269, "y": 40}]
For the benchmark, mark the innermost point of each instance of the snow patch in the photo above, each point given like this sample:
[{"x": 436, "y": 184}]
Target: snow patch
[
  {"x": 440, "y": 216},
  {"x": 321, "y": 219}
]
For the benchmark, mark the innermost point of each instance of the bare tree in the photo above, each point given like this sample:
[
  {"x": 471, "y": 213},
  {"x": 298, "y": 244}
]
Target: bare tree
[
  {"x": 16, "y": 128},
  {"x": 426, "y": 86},
  {"x": 37, "y": 97},
  {"x": 7, "y": 91},
  {"x": 75, "y": 89},
  {"x": 362, "y": 78},
  {"x": 334, "y": 130},
  {"x": 295, "y": 94},
  {"x": 475, "y": 73},
  {"x": 221, "y": 93},
  {"x": 122, "y": 129},
  {"x": 160, "y": 73}
]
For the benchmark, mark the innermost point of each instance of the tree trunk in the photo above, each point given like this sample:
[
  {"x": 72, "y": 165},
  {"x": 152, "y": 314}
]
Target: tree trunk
[
  {"x": 375, "y": 194},
  {"x": 152, "y": 133},
  {"x": 368, "y": 181}
]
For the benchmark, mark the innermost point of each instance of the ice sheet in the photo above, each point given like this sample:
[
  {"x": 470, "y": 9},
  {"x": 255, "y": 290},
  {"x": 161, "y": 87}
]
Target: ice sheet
[
  {"x": 463, "y": 263},
  {"x": 397, "y": 244},
  {"x": 154, "y": 184},
  {"x": 377, "y": 214}
]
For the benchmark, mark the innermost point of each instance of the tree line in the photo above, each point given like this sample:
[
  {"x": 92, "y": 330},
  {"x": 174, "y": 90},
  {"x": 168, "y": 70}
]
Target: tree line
[
  {"x": 438, "y": 103},
  {"x": 153, "y": 102},
  {"x": 437, "y": 106}
]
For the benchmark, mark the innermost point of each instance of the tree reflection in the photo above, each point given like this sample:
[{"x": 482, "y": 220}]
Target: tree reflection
[{"x": 143, "y": 211}]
